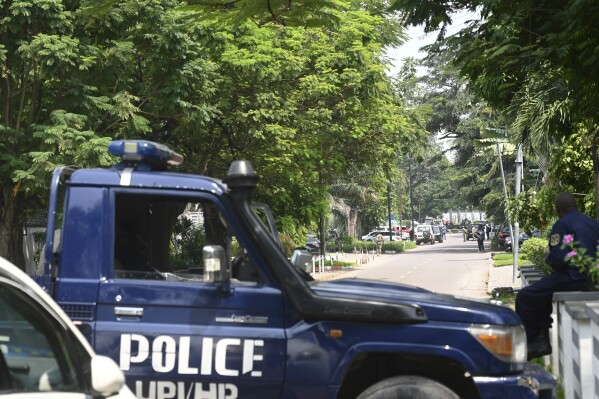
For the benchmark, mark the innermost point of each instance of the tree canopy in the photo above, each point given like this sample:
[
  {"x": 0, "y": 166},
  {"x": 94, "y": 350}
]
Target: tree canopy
[
  {"x": 308, "y": 103},
  {"x": 532, "y": 62}
]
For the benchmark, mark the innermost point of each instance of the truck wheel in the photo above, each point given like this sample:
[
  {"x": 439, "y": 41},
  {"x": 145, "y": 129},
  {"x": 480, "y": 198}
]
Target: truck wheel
[{"x": 408, "y": 387}]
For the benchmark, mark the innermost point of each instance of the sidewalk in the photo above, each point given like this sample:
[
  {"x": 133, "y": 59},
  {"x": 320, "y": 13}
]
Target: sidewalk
[
  {"x": 372, "y": 260},
  {"x": 499, "y": 277}
]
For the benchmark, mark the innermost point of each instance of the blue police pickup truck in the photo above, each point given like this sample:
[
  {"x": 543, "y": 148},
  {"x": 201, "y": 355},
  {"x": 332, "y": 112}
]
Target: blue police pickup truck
[{"x": 181, "y": 281}]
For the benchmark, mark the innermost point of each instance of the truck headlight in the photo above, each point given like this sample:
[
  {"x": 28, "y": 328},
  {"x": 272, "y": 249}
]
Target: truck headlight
[{"x": 508, "y": 343}]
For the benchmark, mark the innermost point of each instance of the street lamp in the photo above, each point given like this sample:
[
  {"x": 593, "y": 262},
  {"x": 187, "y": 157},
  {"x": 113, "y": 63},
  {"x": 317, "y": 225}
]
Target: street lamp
[{"x": 411, "y": 203}]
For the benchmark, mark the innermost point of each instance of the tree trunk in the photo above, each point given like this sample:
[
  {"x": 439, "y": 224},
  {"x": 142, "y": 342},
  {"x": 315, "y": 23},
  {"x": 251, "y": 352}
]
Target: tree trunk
[
  {"x": 12, "y": 218},
  {"x": 352, "y": 223},
  {"x": 346, "y": 211}
]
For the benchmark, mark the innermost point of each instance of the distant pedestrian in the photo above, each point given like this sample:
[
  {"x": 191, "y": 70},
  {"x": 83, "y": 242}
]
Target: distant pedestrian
[
  {"x": 379, "y": 243},
  {"x": 335, "y": 237},
  {"x": 479, "y": 234},
  {"x": 488, "y": 230}
]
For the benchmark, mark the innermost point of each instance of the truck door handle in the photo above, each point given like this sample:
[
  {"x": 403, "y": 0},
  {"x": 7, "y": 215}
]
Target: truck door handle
[{"x": 128, "y": 312}]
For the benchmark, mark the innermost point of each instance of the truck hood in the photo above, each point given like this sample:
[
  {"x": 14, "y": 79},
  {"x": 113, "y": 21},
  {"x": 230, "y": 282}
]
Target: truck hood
[{"x": 437, "y": 307}]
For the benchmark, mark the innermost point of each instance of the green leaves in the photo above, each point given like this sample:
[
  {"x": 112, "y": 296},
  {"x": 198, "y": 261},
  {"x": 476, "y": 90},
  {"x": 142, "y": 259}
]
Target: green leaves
[
  {"x": 298, "y": 87},
  {"x": 306, "y": 13}
]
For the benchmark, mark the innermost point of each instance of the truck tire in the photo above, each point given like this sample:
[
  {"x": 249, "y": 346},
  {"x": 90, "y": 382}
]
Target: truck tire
[{"x": 408, "y": 387}]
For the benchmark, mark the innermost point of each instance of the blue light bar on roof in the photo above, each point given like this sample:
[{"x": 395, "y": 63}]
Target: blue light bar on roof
[{"x": 144, "y": 151}]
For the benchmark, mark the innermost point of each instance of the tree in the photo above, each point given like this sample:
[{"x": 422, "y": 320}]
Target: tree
[
  {"x": 536, "y": 61},
  {"x": 280, "y": 12},
  {"x": 40, "y": 58},
  {"x": 453, "y": 114},
  {"x": 309, "y": 106},
  {"x": 305, "y": 104},
  {"x": 73, "y": 80}
]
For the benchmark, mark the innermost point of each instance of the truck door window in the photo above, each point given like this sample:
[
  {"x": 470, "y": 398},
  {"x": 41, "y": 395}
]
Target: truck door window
[{"x": 162, "y": 237}]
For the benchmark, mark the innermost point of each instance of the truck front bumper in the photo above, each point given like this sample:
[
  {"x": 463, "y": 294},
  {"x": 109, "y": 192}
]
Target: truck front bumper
[{"x": 534, "y": 382}]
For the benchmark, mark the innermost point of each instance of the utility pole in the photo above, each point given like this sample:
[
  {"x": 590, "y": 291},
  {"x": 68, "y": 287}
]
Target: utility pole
[
  {"x": 389, "y": 210},
  {"x": 514, "y": 267},
  {"x": 411, "y": 201},
  {"x": 516, "y": 236}
]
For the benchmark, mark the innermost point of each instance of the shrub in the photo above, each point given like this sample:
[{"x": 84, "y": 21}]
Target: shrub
[
  {"x": 347, "y": 240},
  {"x": 349, "y": 244},
  {"x": 536, "y": 250},
  {"x": 354, "y": 244},
  {"x": 289, "y": 244},
  {"x": 396, "y": 246},
  {"x": 495, "y": 242}
]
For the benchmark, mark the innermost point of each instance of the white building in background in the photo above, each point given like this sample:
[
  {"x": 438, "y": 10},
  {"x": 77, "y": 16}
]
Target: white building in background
[
  {"x": 196, "y": 217},
  {"x": 457, "y": 216}
]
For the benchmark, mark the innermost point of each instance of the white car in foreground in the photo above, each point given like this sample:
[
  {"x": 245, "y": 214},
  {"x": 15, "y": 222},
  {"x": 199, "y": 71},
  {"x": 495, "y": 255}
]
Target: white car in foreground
[{"x": 42, "y": 353}]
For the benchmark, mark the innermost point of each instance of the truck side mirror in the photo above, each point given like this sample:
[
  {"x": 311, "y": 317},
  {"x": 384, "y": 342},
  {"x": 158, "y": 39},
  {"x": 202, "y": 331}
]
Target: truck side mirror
[
  {"x": 215, "y": 263},
  {"x": 302, "y": 259}
]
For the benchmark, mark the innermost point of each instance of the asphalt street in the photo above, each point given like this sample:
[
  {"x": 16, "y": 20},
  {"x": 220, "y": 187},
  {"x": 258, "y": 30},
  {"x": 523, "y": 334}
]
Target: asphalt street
[{"x": 453, "y": 267}]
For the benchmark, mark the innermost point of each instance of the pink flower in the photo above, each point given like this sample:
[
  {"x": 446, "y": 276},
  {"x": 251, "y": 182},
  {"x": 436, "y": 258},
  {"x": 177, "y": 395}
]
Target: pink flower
[
  {"x": 568, "y": 239},
  {"x": 571, "y": 254},
  {"x": 597, "y": 266}
]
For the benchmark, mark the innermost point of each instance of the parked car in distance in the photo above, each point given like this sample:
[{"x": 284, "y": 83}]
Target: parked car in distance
[
  {"x": 43, "y": 353},
  {"x": 424, "y": 234},
  {"x": 467, "y": 232},
  {"x": 404, "y": 232},
  {"x": 312, "y": 244},
  {"x": 508, "y": 242},
  {"x": 372, "y": 235}
]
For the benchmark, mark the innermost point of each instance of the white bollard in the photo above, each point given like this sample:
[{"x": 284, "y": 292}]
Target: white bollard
[
  {"x": 565, "y": 355},
  {"x": 560, "y": 332},
  {"x": 578, "y": 376},
  {"x": 592, "y": 310}
]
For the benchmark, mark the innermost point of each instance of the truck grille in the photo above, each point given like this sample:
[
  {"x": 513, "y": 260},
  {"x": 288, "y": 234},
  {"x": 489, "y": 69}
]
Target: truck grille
[{"x": 78, "y": 311}]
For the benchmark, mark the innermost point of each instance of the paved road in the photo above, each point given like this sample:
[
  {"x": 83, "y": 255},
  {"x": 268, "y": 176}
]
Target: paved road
[{"x": 453, "y": 267}]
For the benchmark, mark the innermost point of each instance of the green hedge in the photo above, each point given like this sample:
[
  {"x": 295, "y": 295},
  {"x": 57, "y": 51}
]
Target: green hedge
[
  {"x": 357, "y": 245},
  {"x": 536, "y": 250}
]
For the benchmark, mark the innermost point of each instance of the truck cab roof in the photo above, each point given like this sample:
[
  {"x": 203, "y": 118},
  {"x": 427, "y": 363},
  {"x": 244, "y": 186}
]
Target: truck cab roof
[{"x": 146, "y": 179}]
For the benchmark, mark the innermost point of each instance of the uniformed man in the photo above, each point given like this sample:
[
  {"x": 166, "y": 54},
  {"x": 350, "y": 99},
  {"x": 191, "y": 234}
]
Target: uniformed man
[{"x": 534, "y": 302}]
